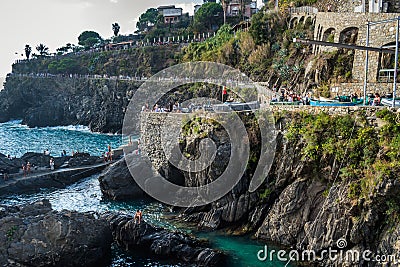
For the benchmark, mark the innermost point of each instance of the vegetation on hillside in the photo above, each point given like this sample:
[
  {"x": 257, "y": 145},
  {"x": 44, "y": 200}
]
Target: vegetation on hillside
[
  {"x": 357, "y": 153},
  {"x": 265, "y": 53},
  {"x": 140, "y": 62}
]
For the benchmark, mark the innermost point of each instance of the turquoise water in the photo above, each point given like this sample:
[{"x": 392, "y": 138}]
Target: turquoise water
[
  {"x": 17, "y": 139},
  {"x": 85, "y": 195}
]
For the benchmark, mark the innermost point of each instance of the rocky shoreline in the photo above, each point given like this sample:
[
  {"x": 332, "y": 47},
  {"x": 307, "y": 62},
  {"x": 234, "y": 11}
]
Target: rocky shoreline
[{"x": 36, "y": 235}]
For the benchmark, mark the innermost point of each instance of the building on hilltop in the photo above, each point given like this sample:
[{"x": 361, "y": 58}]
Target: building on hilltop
[
  {"x": 172, "y": 14},
  {"x": 235, "y": 8}
]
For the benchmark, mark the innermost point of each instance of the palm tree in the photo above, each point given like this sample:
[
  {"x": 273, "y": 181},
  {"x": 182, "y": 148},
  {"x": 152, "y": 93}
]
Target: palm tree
[
  {"x": 42, "y": 49},
  {"x": 224, "y": 6},
  {"x": 116, "y": 28},
  {"x": 28, "y": 51}
]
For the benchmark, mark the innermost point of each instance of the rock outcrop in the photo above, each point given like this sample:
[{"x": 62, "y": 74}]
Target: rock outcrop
[
  {"x": 117, "y": 183},
  {"x": 160, "y": 242},
  {"x": 305, "y": 203},
  {"x": 40, "y": 102},
  {"x": 36, "y": 235}
]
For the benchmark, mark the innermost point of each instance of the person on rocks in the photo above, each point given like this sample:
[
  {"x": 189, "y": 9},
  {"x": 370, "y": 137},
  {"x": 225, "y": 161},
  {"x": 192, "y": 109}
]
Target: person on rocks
[
  {"x": 52, "y": 164},
  {"x": 47, "y": 152},
  {"x": 5, "y": 174},
  {"x": 28, "y": 168},
  {"x": 138, "y": 216},
  {"x": 24, "y": 169}
]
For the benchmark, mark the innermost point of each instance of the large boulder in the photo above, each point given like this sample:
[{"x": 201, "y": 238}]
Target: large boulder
[
  {"x": 161, "y": 243},
  {"x": 36, "y": 235},
  {"x": 117, "y": 182},
  {"x": 9, "y": 165},
  {"x": 82, "y": 159}
]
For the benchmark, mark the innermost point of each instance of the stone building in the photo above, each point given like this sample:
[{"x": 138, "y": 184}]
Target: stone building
[
  {"x": 349, "y": 25},
  {"x": 346, "y": 22},
  {"x": 370, "y": 6},
  {"x": 172, "y": 14}
]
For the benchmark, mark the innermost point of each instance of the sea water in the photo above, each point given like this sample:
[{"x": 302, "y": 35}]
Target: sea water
[{"x": 16, "y": 139}]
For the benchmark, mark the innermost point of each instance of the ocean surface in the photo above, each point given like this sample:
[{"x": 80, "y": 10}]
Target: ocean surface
[{"x": 16, "y": 139}]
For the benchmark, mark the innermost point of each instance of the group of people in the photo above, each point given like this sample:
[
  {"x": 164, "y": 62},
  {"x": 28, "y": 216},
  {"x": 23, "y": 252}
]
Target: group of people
[
  {"x": 170, "y": 107},
  {"x": 290, "y": 96},
  {"x": 108, "y": 156},
  {"x": 26, "y": 168},
  {"x": 373, "y": 99}
]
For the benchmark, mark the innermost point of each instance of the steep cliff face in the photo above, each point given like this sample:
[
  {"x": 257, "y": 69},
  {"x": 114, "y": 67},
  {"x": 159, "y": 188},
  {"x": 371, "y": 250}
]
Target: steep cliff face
[
  {"x": 97, "y": 103},
  {"x": 332, "y": 178}
]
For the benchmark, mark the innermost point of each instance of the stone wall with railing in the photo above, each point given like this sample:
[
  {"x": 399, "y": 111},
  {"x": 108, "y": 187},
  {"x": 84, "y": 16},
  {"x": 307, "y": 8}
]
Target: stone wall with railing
[{"x": 333, "y": 26}]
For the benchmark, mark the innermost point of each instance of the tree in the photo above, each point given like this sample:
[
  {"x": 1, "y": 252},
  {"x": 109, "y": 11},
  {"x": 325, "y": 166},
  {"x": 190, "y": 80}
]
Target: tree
[
  {"x": 43, "y": 50},
  {"x": 116, "y": 28},
  {"x": 207, "y": 17},
  {"x": 89, "y": 39},
  {"x": 28, "y": 51},
  {"x": 65, "y": 49},
  {"x": 147, "y": 19},
  {"x": 224, "y": 4}
]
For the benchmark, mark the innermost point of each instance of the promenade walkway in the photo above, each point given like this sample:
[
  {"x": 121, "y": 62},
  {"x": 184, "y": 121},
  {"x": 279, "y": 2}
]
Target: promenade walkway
[{"x": 60, "y": 178}]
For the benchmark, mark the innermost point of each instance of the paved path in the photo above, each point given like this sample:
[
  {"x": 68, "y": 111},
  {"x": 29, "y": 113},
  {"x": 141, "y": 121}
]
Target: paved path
[{"x": 46, "y": 179}]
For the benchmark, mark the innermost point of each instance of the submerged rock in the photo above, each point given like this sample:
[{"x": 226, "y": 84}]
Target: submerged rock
[
  {"x": 161, "y": 242},
  {"x": 36, "y": 235}
]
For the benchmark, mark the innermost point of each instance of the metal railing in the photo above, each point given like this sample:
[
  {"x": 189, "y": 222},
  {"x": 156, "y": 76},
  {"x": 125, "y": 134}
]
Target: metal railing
[{"x": 303, "y": 9}]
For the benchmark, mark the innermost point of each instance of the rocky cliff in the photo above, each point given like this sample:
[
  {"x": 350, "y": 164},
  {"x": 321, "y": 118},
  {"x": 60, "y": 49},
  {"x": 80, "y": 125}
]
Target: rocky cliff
[
  {"x": 40, "y": 102},
  {"x": 36, "y": 235},
  {"x": 333, "y": 177},
  {"x": 161, "y": 243}
]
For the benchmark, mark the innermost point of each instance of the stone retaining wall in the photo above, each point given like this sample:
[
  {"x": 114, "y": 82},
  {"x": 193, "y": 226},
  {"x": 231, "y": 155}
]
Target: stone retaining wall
[{"x": 358, "y": 88}]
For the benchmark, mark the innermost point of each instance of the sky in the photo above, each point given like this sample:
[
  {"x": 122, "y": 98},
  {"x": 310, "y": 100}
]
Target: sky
[{"x": 58, "y": 22}]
